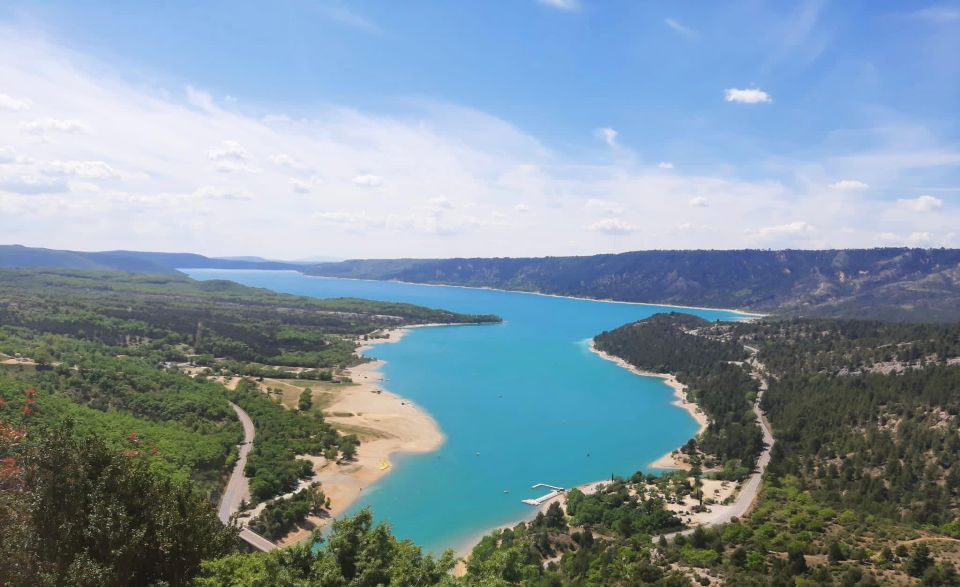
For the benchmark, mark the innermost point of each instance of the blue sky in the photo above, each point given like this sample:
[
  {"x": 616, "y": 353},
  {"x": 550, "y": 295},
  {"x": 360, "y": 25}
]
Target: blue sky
[{"x": 446, "y": 128}]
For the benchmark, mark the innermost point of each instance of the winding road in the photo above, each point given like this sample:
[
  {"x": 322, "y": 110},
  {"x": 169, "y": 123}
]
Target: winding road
[
  {"x": 723, "y": 514},
  {"x": 238, "y": 488}
]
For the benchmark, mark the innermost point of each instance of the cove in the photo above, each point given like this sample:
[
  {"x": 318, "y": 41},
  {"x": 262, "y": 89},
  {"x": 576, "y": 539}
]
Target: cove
[{"x": 520, "y": 403}]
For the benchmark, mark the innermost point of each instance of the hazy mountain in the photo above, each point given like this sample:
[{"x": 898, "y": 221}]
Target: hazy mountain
[
  {"x": 883, "y": 283},
  {"x": 17, "y": 256}
]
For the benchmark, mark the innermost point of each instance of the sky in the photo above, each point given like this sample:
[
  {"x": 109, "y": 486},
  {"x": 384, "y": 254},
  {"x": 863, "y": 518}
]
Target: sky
[{"x": 297, "y": 129}]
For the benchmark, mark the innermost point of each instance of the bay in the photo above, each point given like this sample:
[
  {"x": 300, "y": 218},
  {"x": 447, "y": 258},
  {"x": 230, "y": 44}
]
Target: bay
[{"x": 520, "y": 403}]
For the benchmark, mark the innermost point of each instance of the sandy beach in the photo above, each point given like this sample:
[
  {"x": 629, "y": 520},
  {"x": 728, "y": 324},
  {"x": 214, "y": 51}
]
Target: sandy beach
[
  {"x": 673, "y": 459},
  {"x": 386, "y": 424}
]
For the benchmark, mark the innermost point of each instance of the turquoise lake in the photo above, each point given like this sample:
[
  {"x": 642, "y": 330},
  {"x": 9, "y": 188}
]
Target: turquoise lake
[{"x": 527, "y": 395}]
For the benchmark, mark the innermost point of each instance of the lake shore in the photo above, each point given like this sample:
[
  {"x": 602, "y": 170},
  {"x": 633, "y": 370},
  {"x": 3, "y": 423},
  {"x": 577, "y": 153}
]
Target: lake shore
[
  {"x": 745, "y": 313},
  {"x": 673, "y": 459},
  {"x": 387, "y": 423}
]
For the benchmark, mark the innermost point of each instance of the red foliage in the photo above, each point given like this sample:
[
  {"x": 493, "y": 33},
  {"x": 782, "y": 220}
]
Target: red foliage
[
  {"x": 131, "y": 454},
  {"x": 132, "y": 437},
  {"x": 3, "y": 403},
  {"x": 30, "y": 392}
]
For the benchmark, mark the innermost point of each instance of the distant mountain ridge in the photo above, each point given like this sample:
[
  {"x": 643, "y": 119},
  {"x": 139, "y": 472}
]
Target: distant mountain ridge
[
  {"x": 899, "y": 284},
  {"x": 18, "y": 256}
]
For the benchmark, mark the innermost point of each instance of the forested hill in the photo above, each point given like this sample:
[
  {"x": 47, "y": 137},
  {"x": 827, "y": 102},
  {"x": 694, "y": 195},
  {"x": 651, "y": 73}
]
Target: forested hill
[
  {"x": 888, "y": 283},
  {"x": 17, "y": 256}
]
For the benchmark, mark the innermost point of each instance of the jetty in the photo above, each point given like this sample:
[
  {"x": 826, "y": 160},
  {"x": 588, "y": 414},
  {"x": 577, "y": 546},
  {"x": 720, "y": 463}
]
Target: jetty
[{"x": 538, "y": 501}]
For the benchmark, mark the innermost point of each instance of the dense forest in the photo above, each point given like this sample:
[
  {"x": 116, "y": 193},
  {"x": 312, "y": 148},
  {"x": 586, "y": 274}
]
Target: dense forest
[
  {"x": 111, "y": 458},
  {"x": 887, "y": 284},
  {"x": 711, "y": 369},
  {"x": 864, "y": 483},
  {"x": 169, "y": 317}
]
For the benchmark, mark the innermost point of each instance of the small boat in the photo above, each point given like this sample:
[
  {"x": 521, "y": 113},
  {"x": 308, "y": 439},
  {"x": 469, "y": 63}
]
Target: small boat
[{"x": 384, "y": 465}]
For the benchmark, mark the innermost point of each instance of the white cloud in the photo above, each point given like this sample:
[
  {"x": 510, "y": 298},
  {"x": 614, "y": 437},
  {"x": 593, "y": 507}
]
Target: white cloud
[
  {"x": 300, "y": 186},
  {"x": 46, "y": 125},
  {"x": 924, "y": 203},
  {"x": 665, "y": 165},
  {"x": 440, "y": 202},
  {"x": 234, "y": 166},
  {"x": 569, "y": 5},
  {"x": 31, "y": 184},
  {"x": 849, "y": 185},
  {"x": 228, "y": 150},
  {"x": 156, "y": 145},
  {"x": 84, "y": 169},
  {"x": 683, "y": 30},
  {"x": 607, "y": 135},
  {"x": 606, "y": 206},
  {"x": 698, "y": 202},
  {"x": 368, "y": 180},
  {"x": 284, "y": 160},
  {"x": 789, "y": 229},
  {"x": 939, "y": 14},
  {"x": 15, "y": 104},
  {"x": 919, "y": 238},
  {"x": 200, "y": 99},
  {"x": 611, "y": 226},
  {"x": 747, "y": 96},
  {"x": 221, "y": 193}
]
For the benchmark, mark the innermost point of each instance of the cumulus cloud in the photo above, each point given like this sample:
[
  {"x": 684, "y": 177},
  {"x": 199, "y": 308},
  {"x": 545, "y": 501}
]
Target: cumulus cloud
[
  {"x": 698, "y": 202},
  {"x": 665, "y": 165},
  {"x": 368, "y": 180},
  {"x": 849, "y": 185},
  {"x": 611, "y": 226},
  {"x": 747, "y": 96},
  {"x": 925, "y": 203},
  {"x": 8, "y": 102},
  {"x": 50, "y": 125},
  {"x": 494, "y": 174},
  {"x": 568, "y": 5},
  {"x": 607, "y": 135}
]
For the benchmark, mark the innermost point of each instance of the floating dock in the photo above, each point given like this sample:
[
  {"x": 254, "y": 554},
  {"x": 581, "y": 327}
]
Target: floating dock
[{"x": 538, "y": 501}]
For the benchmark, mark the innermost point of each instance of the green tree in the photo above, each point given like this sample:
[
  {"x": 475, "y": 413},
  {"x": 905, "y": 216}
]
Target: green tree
[
  {"x": 95, "y": 517},
  {"x": 306, "y": 400}
]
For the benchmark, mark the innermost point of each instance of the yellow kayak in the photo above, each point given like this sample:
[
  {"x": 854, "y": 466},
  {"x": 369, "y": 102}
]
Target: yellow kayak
[{"x": 384, "y": 465}]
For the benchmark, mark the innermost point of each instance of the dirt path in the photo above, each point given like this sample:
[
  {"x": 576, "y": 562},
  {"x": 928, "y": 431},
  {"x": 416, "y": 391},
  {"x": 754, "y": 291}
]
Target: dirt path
[{"x": 723, "y": 514}]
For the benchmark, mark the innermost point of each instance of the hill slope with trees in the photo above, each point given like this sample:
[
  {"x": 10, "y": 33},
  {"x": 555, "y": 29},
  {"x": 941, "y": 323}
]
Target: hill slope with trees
[{"x": 888, "y": 283}]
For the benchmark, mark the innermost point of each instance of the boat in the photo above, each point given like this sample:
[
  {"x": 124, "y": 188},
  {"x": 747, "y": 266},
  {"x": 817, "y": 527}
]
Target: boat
[{"x": 384, "y": 465}]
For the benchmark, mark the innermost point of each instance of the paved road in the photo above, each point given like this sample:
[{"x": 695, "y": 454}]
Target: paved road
[
  {"x": 238, "y": 488},
  {"x": 723, "y": 514}
]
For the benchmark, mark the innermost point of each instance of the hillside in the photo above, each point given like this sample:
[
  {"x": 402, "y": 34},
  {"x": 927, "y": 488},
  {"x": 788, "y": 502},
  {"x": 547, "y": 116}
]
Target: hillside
[
  {"x": 886, "y": 283},
  {"x": 20, "y": 257}
]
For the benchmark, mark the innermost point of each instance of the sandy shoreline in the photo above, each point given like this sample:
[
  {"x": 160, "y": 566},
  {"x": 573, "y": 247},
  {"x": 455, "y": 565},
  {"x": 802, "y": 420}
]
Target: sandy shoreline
[
  {"x": 387, "y": 424},
  {"x": 670, "y": 460}
]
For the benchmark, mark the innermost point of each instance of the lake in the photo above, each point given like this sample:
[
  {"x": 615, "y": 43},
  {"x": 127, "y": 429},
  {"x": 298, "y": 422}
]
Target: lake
[{"x": 520, "y": 403}]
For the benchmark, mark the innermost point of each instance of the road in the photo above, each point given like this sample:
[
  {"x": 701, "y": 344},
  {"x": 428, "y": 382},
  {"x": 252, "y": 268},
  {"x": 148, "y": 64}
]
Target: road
[
  {"x": 238, "y": 488},
  {"x": 723, "y": 514}
]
